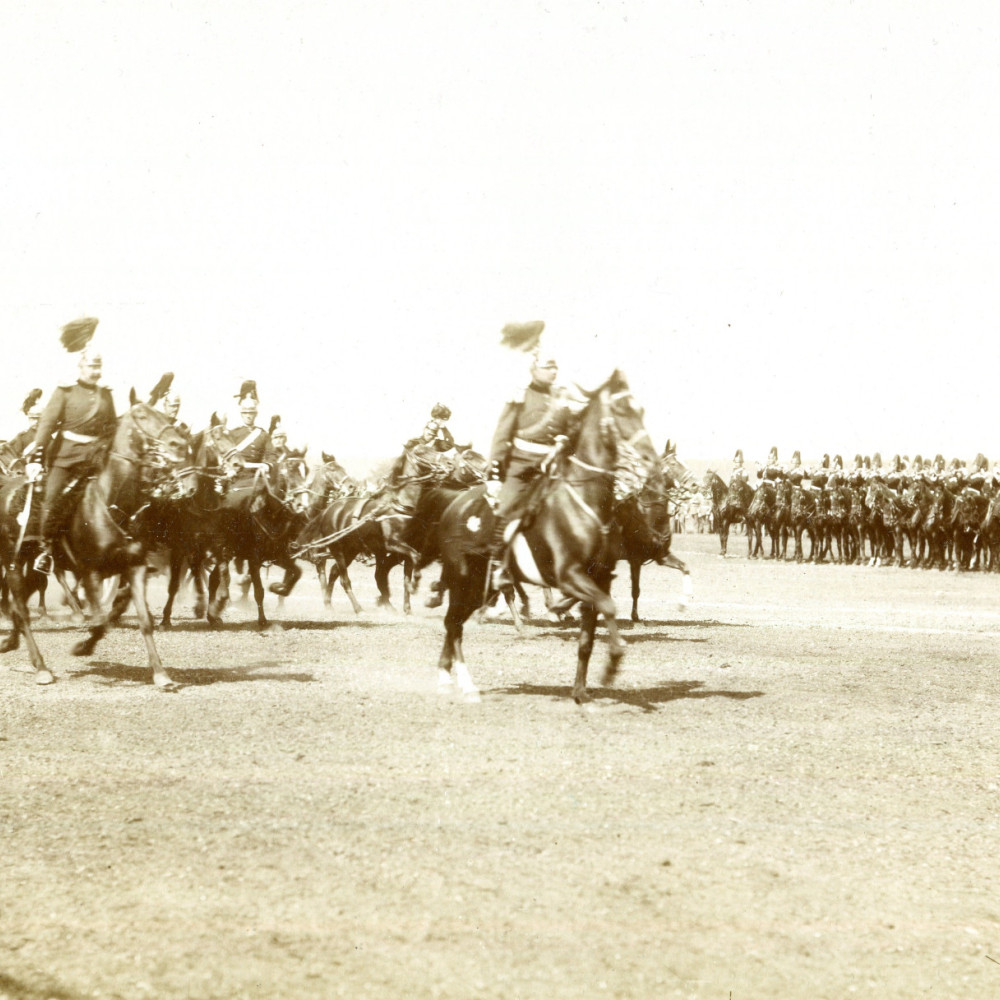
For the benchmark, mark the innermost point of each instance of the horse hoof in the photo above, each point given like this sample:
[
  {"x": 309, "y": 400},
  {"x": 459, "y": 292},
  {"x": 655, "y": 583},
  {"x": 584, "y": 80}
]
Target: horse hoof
[
  {"x": 215, "y": 621},
  {"x": 9, "y": 644},
  {"x": 82, "y": 648},
  {"x": 165, "y": 683},
  {"x": 44, "y": 677},
  {"x": 274, "y": 628},
  {"x": 280, "y": 589}
]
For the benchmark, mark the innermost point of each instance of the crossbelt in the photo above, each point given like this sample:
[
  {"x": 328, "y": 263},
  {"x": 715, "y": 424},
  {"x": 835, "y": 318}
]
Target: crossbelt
[
  {"x": 531, "y": 446},
  {"x": 79, "y": 438}
]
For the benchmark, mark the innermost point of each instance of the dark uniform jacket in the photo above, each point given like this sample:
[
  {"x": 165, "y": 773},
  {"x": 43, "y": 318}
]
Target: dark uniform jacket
[
  {"x": 22, "y": 444},
  {"x": 253, "y": 444},
  {"x": 528, "y": 426},
  {"x": 77, "y": 427}
]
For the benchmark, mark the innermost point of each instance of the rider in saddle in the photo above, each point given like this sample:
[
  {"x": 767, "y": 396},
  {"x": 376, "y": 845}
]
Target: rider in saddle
[
  {"x": 531, "y": 426},
  {"x": 22, "y": 444},
  {"x": 254, "y": 453},
  {"x": 171, "y": 404},
  {"x": 739, "y": 472},
  {"x": 72, "y": 441},
  {"x": 771, "y": 471},
  {"x": 435, "y": 435}
]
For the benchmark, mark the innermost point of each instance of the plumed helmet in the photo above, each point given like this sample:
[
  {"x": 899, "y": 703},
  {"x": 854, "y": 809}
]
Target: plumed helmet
[
  {"x": 772, "y": 455},
  {"x": 738, "y": 457},
  {"x": 543, "y": 360},
  {"x": 522, "y": 336},
  {"x": 161, "y": 388},
  {"x": 796, "y": 458},
  {"x": 248, "y": 388},
  {"x": 274, "y": 427},
  {"x": 31, "y": 402},
  {"x": 441, "y": 412},
  {"x": 877, "y": 460},
  {"x": 76, "y": 335},
  {"x": 838, "y": 461}
]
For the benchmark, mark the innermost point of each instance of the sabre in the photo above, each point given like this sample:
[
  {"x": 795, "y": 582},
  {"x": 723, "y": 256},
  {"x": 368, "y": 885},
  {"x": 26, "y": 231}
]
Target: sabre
[{"x": 27, "y": 515}]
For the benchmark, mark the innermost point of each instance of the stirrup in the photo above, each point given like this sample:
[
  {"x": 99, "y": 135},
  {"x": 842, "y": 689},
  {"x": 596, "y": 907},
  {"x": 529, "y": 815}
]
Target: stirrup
[{"x": 43, "y": 562}]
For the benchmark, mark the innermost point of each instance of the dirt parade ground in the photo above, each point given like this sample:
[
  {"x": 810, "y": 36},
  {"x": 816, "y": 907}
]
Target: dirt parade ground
[{"x": 790, "y": 792}]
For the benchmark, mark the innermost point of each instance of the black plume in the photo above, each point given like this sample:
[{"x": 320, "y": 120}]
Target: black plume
[
  {"x": 522, "y": 336},
  {"x": 161, "y": 388},
  {"x": 275, "y": 420},
  {"x": 249, "y": 388},
  {"x": 76, "y": 335},
  {"x": 29, "y": 401}
]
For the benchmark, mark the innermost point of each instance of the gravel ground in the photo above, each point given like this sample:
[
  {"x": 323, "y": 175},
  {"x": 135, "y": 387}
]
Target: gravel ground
[{"x": 791, "y": 792}]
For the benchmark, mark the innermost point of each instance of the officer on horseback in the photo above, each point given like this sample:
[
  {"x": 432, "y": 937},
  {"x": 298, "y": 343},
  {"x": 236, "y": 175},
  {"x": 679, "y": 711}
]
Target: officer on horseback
[
  {"x": 435, "y": 434},
  {"x": 531, "y": 426},
  {"x": 72, "y": 442},
  {"x": 253, "y": 453},
  {"x": 23, "y": 443}
]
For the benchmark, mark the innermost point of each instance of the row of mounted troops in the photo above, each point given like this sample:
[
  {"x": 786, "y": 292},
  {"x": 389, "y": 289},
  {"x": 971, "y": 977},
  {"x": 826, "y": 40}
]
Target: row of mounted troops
[
  {"x": 131, "y": 486},
  {"x": 918, "y": 513}
]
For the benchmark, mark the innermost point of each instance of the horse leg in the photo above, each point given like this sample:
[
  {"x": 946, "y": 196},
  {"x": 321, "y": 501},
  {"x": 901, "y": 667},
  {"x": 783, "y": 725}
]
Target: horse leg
[
  {"x": 91, "y": 581},
  {"x": 687, "y": 586},
  {"x": 462, "y": 601},
  {"x": 218, "y": 592},
  {"x": 345, "y": 581},
  {"x": 172, "y": 585},
  {"x": 510, "y": 595},
  {"x": 383, "y": 564},
  {"x": 253, "y": 568},
  {"x": 197, "y": 571},
  {"x": 584, "y": 647},
  {"x": 137, "y": 587},
  {"x": 123, "y": 594},
  {"x": 76, "y": 612},
  {"x": 292, "y": 575},
  {"x": 21, "y": 625},
  {"x": 635, "y": 569},
  {"x": 321, "y": 576}
]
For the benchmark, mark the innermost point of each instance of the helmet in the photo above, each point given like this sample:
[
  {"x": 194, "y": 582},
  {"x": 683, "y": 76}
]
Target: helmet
[
  {"x": 248, "y": 404},
  {"x": 440, "y": 412}
]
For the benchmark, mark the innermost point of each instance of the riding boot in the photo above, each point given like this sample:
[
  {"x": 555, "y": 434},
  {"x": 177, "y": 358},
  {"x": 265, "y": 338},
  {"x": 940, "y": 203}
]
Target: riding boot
[{"x": 499, "y": 575}]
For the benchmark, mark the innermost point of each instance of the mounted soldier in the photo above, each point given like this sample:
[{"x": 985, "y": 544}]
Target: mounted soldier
[
  {"x": 169, "y": 402},
  {"x": 435, "y": 434},
  {"x": 22, "y": 444},
  {"x": 73, "y": 437},
  {"x": 253, "y": 459},
  {"x": 532, "y": 426}
]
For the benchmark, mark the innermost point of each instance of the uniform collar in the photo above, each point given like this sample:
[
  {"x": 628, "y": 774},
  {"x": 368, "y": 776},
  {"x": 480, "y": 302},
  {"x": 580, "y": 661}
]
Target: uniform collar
[{"x": 541, "y": 387}]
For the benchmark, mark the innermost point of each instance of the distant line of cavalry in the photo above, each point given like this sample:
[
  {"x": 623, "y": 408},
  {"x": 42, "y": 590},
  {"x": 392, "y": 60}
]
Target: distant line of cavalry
[{"x": 918, "y": 514}]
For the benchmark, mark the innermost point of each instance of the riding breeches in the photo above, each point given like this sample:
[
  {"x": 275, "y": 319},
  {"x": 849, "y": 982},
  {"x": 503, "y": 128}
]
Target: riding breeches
[{"x": 55, "y": 505}]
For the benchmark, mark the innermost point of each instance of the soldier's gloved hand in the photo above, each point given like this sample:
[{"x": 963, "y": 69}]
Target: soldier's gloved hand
[{"x": 33, "y": 471}]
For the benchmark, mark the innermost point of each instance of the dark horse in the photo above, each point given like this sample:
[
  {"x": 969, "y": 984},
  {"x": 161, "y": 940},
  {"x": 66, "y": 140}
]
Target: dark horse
[
  {"x": 13, "y": 494},
  {"x": 563, "y": 543},
  {"x": 102, "y": 538},
  {"x": 729, "y": 503}
]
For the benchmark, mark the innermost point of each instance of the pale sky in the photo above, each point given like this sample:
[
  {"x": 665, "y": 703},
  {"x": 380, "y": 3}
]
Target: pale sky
[{"x": 779, "y": 219}]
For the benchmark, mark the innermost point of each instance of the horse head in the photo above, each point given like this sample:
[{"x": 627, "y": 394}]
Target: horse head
[
  {"x": 610, "y": 432},
  {"x": 148, "y": 446}
]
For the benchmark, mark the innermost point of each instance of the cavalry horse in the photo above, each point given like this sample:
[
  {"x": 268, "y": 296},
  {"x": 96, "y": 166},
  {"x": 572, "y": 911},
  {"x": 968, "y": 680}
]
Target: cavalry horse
[
  {"x": 729, "y": 503},
  {"x": 13, "y": 495},
  {"x": 564, "y": 542},
  {"x": 105, "y": 536},
  {"x": 238, "y": 516}
]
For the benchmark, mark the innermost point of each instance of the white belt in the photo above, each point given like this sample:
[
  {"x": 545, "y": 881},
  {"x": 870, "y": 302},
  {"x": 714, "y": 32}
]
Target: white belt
[
  {"x": 531, "y": 446},
  {"x": 79, "y": 438}
]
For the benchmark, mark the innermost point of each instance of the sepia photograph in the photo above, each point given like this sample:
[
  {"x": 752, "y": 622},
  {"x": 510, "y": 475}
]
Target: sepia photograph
[{"x": 499, "y": 501}]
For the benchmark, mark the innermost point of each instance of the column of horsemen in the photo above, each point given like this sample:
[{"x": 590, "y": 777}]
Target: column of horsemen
[
  {"x": 917, "y": 512},
  {"x": 242, "y": 494}
]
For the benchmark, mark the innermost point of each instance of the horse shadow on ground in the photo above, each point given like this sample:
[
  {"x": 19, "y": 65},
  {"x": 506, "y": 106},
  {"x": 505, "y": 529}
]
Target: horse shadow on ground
[
  {"x": 200, "y": 625},
  {"x": 17, "y": 990},
  {"x": 646, "y": 699},
  {"x": 121, "y": 673}
]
